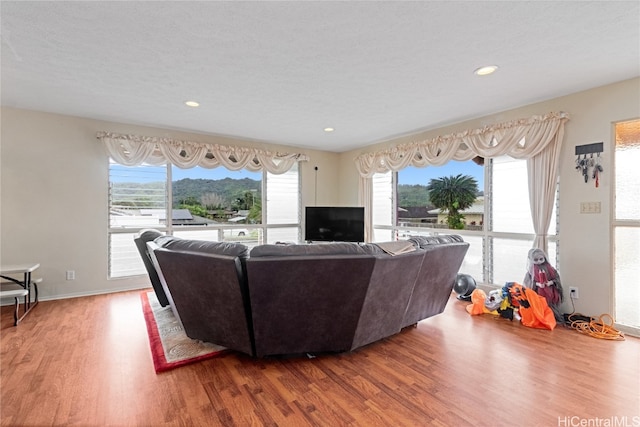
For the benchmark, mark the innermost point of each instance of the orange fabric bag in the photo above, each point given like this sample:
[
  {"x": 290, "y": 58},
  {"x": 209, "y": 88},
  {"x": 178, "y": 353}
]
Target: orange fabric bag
[
  {"x": 477, "y": 306},
  {"x": 537, "y": 314},
  {"x": 477, "y": 302}
]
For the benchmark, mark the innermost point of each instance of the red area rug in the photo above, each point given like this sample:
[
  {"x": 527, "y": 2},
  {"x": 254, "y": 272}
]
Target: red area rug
[{"x": 170, "y": 345}]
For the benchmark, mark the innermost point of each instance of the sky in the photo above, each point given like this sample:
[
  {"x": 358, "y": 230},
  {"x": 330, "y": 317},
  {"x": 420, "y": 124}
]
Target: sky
[
  {"x": 422, "y": 176},
  {"x": 215, "y": 173},
  {"x": 121, "y": 173},
  {"x": 410, "y": 175}
]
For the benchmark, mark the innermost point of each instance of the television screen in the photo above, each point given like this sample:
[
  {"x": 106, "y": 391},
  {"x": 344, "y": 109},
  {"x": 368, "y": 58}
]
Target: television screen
[{"x": 334, "y": 224}]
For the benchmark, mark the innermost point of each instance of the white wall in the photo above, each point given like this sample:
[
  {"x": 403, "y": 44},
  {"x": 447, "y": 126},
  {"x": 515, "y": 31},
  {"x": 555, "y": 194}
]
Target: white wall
[
  {"x": 54, "y": 194},
  {"x": 585, "y": 239}
]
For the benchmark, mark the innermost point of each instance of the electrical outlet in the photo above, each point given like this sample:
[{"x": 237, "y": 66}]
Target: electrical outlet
[
  {"x": 574, "y": 293},
  {"x": 71, "y": 275}
]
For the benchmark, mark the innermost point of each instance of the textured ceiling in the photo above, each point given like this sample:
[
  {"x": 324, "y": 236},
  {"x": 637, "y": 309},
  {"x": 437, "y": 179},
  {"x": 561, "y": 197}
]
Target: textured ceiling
[{"x": 281, "y": 72}]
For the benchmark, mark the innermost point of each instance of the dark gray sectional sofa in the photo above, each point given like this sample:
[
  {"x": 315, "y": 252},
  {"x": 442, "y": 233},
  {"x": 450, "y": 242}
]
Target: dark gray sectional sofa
[{"x": 303, "y": 298}]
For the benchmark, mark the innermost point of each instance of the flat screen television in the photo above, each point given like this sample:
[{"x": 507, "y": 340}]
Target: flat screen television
[{"x": 334, "y": 224}]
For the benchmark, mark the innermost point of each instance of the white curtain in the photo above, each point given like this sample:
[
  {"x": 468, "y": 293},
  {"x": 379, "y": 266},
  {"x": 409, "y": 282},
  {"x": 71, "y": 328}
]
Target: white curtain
[
  {"x": 542, "y": 171},
  {"x": 538, "y": 139},
  {"x": 133, "y": 150}
]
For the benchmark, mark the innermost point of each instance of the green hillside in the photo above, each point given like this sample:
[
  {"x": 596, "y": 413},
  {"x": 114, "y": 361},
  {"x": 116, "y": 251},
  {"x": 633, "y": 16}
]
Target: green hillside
[
  {"x": 224, "y": 191},
  {"x": 412, "y": 195}
]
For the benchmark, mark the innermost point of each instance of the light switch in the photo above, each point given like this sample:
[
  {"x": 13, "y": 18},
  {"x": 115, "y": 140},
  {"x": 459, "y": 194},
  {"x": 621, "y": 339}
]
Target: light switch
[{"x": 590, "y": 207}]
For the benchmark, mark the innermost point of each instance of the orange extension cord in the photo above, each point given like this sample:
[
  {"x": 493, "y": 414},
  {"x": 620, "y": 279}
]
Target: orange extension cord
[{"x": 596, "y": 328}]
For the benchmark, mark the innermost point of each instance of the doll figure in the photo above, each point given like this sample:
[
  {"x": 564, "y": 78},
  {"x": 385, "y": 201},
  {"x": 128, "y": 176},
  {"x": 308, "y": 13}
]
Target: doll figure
[{"x": 543, "y": 278}]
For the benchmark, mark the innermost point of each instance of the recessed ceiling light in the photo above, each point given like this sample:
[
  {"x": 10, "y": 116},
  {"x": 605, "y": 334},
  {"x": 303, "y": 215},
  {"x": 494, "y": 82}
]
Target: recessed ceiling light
[
  {"x": 329, "y": 129},
  {"x": 484, "y": 71},
  {"x": 192, "y": 104}
]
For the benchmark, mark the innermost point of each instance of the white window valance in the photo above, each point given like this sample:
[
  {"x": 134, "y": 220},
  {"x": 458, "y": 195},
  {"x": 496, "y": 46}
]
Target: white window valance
[
  {"x": 134, "y": 150},
  {"x": 537, "y": 139},
  {"x": 521, "y": 139}
]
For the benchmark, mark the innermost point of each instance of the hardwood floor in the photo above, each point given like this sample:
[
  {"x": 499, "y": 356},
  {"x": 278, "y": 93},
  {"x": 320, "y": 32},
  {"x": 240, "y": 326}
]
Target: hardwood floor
[{"x": 86, "y": 361}]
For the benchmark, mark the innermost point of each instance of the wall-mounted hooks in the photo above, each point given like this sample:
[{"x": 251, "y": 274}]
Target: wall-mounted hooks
[
  {"x": 596, "y": 147},
  {"x": 583, "y": 164}
]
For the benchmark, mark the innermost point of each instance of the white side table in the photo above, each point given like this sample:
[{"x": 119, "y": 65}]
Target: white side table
[{"x": 13, "y": 287}]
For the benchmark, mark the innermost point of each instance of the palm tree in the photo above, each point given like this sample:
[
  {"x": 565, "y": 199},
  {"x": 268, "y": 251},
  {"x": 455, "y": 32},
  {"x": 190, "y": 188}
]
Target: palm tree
[{"x": 453, "y": 194}]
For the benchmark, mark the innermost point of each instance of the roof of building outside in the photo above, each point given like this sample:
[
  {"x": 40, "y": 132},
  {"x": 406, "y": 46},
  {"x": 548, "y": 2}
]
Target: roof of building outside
[
  {"x": 177, "y": 214},
  {"x": 477, "y": 208}
]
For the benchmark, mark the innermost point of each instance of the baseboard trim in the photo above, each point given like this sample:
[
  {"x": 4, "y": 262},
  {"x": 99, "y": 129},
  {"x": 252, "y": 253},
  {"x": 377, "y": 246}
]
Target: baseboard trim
[{"x": 628, "y": 330}]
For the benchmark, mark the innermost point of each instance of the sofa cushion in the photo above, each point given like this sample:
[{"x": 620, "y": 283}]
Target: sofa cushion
[
  {"x": 164, "y": 239},
  {"x": 425, "y": 241},
  {"x": 202, "y": 246},
  {"x": 335, "y": 248}
]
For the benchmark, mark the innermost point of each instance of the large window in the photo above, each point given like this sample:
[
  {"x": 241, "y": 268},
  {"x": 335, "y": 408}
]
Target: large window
[
  {"x": 626, "y": 224},
  {"x": 497, "y": 225},
  {"x": 206, "y": 204}
]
